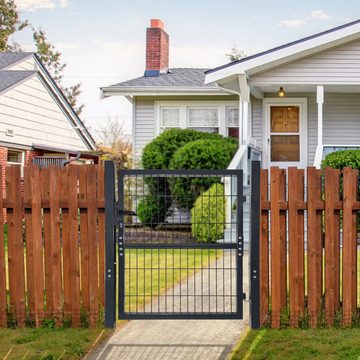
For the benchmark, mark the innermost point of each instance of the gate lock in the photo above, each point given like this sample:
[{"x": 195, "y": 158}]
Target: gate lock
[{"x": 127, "y": 212}]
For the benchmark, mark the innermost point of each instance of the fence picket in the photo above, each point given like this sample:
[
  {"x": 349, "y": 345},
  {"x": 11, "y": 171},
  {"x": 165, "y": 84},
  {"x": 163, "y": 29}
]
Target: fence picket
[
  {"x": 276, "y": 253},
  {"x": 15, "y": 245},
  {"x": 66, "y": 254},
  {"x": 92, "y": 242},
  {"x": 332, "y": 189},
  {"x": 350, "y": 180},
  {"x": 314, "y": 245},
  {"x": 101, "y": 233},
  {"x": 3, "y": 302},
  {"x": 283, "y": 243},
  {"x": 74, "y": 244},
  {"x": 84, "y": 244},
  {"x": 264, "y": 250},
  {"x": 34, "y": 255}
]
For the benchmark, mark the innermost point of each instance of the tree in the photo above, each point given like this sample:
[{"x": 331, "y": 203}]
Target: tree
[
  {"x": 10, "y": 24},
  {"x": 51, "y": 58},
  {"x": 115, "y": 143},
  {"x": 235, "y": 54}
]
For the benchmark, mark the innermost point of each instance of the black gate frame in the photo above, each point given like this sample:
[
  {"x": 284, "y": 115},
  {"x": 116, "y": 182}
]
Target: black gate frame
[{"x": 115, "y": 236}]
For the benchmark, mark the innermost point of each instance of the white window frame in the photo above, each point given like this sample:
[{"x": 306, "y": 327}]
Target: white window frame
[
  {"x": 189, "y": 108},
  {"x": 303, "y": 118},
  {"x": 226, "y": 118},
  {"x": 162, "y": 127},
  {"x": 185, "y": 105},
  {"x": 22, "y": 163}
]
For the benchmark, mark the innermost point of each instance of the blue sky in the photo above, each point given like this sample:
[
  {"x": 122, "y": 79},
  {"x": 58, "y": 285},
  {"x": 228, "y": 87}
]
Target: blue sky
[{"x": 103, "y": 42}]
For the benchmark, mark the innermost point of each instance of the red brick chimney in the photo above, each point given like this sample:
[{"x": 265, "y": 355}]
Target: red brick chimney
[{"x": 157, "y": 49}]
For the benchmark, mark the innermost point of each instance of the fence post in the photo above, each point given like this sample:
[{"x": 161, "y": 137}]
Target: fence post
[
  {"x": 110, "y": 258},
  {"x": 254, "y": 246}
]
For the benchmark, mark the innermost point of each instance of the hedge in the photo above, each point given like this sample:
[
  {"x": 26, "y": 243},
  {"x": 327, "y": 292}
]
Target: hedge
[
  {"x": 208, "y": 215},
  {"x": 200, "y": 154},
  {"x": 342, "y": 158},
  {"x": 153, "y": 210}
]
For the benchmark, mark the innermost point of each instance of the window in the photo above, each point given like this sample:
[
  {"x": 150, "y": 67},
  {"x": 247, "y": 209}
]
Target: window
[
  {"x": 204, "y": 119},
  {"x": 15, "y": 157},
  {"x": 170, "y": 118},
  {"x": 232, "y": 121}
]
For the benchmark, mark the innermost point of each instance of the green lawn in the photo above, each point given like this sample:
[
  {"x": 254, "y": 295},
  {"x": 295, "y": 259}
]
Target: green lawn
[
  {"x": 152, "y": 272},
  {"x": 48, "y": 344},
  {"x": 294, "y": 344}
]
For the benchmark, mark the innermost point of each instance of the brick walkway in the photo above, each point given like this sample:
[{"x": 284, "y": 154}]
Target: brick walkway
[{"x": 176, "y": 339}]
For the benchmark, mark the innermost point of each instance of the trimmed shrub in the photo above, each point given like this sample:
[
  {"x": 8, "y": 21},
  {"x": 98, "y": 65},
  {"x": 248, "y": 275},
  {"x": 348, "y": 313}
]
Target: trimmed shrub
[
  {"x": 342, "y": 158},
  {"x": 208, "y": 215},
  {"x": 152, "y": 210},
  {"x": 158, "y": 153},
  {"x": 200, "y": 154}
]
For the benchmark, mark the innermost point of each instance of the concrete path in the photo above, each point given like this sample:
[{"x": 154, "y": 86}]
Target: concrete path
[{"x": 184, "y": 339}]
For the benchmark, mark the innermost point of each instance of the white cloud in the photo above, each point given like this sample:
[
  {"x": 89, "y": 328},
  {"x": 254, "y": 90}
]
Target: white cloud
[
  {"x": 293, "y": 23},
  {"x": 33, "y": 5},
  {"x": 319, "y": 14}
]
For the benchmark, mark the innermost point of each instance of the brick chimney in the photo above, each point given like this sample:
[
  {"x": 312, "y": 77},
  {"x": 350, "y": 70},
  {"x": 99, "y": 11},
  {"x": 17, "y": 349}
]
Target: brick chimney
[{"x": 157, "y": 49}]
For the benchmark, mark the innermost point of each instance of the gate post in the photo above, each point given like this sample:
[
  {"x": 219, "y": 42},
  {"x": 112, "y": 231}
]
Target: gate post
[
  {"x": 254, "y": 246},
  {"x": 110, "y": 232}
]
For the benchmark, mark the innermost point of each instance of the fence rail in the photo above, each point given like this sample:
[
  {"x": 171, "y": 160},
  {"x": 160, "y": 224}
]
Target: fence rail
[
  {"x": 306, "y": 271},
  {"x": 52, "y": 255}
]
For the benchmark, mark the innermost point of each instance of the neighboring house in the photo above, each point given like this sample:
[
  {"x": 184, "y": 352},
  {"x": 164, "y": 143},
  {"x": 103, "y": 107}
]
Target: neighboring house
[
  {"x": 289, "y": 105},
  {"x": 36, "y": 120}
]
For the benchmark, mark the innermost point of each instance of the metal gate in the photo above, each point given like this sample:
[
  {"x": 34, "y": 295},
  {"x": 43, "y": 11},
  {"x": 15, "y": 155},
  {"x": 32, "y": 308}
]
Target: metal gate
[{"x": 180, "y": 244}]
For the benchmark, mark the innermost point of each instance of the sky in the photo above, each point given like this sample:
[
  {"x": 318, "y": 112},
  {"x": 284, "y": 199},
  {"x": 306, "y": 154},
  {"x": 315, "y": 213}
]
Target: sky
[{"x": 103, "y": 41}]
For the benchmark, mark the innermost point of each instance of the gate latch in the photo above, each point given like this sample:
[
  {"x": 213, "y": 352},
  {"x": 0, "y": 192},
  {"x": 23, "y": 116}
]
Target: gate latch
[
  {"x": 244, "y": 296},
  {"x": 127, "y": 212}
]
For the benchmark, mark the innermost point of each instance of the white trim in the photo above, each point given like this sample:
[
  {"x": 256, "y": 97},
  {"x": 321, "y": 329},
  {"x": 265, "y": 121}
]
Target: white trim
[
  {"x": 302, "y": 104},
  {"x": 184, "y": 109},
  {"x": 320, "y": 101},
  {"x": 164, "y": 91},
  {"x": 288, "y": 54}
]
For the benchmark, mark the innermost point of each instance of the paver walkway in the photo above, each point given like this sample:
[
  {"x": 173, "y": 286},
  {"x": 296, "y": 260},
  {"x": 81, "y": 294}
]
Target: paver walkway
[{"x": 177, "y": 339}]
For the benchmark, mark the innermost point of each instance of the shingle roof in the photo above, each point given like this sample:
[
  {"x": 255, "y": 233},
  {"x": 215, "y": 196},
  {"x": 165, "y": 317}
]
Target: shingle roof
[
  {"x": 8, "y": 58},
  {"x": 11, "y": 77},
  {"x": 177, "y": 77}
]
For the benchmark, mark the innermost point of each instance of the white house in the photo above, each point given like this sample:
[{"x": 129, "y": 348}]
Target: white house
[
  {"x": 289, "y": 105},
  {"x": 316, "y": 111},
  {"x": 35, "y": 117}
]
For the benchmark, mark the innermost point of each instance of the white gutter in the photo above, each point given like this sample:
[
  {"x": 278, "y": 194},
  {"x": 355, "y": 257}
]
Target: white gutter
[{"x": 164, "y": 90}]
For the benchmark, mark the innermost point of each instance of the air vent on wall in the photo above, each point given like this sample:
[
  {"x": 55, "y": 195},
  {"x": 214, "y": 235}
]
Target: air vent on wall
[{"x": 10, "y": 132}]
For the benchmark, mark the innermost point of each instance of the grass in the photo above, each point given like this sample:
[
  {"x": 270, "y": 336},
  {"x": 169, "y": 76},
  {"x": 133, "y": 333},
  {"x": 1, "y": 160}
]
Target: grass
[
  {"x": 151, "y": 272},
  {"x": 48, "y": 343},
  {"x": 294, "y": 344}
]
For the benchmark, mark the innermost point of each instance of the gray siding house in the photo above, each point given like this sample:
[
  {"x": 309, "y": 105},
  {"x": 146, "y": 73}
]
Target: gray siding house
[{"x": 288, "y": 106}]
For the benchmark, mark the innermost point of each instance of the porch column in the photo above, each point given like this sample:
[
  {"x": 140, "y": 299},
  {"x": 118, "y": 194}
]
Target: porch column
[
  {"x": 243, "y": 109},
  {"x": 320, "y": 102}
]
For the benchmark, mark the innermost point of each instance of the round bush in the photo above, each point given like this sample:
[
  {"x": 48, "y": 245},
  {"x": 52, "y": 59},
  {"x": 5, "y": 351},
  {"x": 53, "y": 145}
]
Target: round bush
[
  {"x": 208, "y": 215},
  {"x": 200, "y": 154},
  {"x": 341, "y": 159},
  {"x": 158, "y": 153},
  {"x": 153, "y": 210}
]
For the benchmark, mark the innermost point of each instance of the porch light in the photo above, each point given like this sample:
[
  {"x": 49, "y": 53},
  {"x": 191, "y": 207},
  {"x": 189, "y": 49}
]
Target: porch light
[{"x": 281, "y": 92}]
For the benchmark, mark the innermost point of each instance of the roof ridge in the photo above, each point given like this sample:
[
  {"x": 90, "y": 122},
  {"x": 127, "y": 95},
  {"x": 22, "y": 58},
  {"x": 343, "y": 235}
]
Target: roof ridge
[{"x": 279, "y": 47}]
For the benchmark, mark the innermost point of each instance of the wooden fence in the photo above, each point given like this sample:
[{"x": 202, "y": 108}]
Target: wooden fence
[
  {"x": 52, "y": 258},
  {"x": 308, "y": 246}
]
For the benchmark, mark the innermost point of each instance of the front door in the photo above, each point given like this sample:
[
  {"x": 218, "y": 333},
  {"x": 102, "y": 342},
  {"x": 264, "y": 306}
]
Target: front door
[{"x": 285, "y": 135}]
